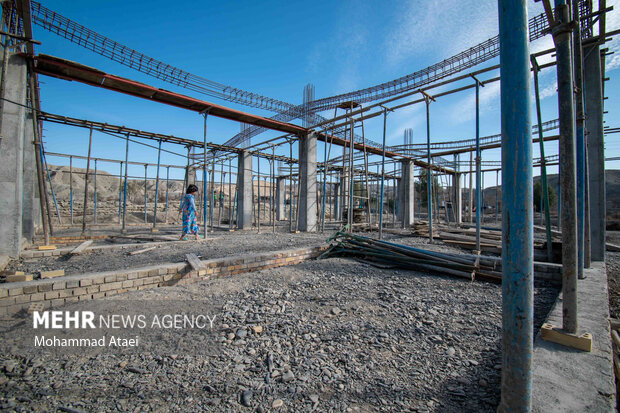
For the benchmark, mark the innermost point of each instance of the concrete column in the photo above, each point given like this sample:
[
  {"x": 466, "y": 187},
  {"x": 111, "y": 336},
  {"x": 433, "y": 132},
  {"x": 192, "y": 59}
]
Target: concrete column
[
  {"x": 592, "y": 79},
  {"x": 244, "y": 189},
  {"x": 307, "y": 180},
  {"x": 191, "y": 176},
  {"x": 457, "y": 207},
  {"x": 12, "y": 157},
  {"x": 406, "y": 194},
  {"x": 280, "y": 198},
  {"x": 31, "y": 207}
]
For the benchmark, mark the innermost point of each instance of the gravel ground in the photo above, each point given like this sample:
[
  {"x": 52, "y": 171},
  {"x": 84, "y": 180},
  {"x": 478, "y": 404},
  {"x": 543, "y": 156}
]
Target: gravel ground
[
  {"x": 224, "y": 244},
  {"x": 613, "y": 279},
  {"x": 337, "y": 335}
]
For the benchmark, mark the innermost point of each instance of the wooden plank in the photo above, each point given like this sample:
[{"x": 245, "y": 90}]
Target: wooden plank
[
  {"x": 80, "y": 248},
  {"x": 18, "y": 277},
  {"x": 46, "y": 247},
  {"x": 553, "y": 334},
  {"x": 52, "y": 274},
  {"x": 143, "y": 250},
  {"x": 6, "y": 272},
  {"x": 194, "y": 262},
  {"x": 612, "y": 247}
]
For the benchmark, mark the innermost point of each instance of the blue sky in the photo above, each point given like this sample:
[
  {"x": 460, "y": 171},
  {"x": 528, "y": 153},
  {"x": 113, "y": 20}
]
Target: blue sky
[{"x": 274, "y": 48}]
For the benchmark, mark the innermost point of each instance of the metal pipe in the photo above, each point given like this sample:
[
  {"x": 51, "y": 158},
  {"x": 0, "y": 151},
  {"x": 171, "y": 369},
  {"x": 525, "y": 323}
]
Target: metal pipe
[
  {"x": 429, "y": 181},
  {"x": 517, "y": 213},
  {"x": 145, "y": 195},
  {"x": 258, "y": 190},
  {"x": 120, "y": 192},
  {"x": 325, "y": 167},
  {"x": 90, "y": 144},
  {"x": 212, "y": 194},
  {"x": 204, "y": 175},
  {"x": 123, "y": 230},
  {"x": 49, "y": 178},
  {"x": 157, "y": 185},
  {"x": 95, "y": 200},
  {"x": 543, "y": 167},
  {"x": 273, "y": 188},
  {"x": 71, "y": 188},
  {"x": 290, "y": 170},
  {"x": 39, "y": 161},
  {"x": 580, "y": 142},
  {"x": 496, "y": 193},
  {"x": 351, "y": 183},
  {"x": 167, "y": 186},
  {"x": 230, "y": 196},
  {"x": 478, "y": 166},
  {"x": 382, "y": 175},
  {"x": 471, "y": 186},
  {"x": 562, "y": 39}
]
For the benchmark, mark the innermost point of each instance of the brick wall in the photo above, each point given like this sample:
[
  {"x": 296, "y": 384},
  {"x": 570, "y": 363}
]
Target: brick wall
[{"x": 18, "y": 296}]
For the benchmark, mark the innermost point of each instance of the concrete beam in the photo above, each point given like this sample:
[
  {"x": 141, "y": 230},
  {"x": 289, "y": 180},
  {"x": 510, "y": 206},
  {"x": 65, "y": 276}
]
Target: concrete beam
[
  {"x": 12, "y": 156},
  {"x": 596, "y": 148},
  {"x": 307, "y": 181},
  {"x": 244, "y": 189}
]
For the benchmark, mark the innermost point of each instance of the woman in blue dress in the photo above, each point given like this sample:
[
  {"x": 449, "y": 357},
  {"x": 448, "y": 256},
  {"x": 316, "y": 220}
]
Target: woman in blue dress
[{"x": 188, "y": 208}]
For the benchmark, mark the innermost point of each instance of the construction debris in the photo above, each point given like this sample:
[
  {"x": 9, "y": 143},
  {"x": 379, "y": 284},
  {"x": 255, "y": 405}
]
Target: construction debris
[
  {"x": 52, "y": 274},
  {"x": 389, "y": 255},
  {"x": 143, "y": 250},
  {"x": 80, "y": 248},
  {"x": 194, "y": 262}
]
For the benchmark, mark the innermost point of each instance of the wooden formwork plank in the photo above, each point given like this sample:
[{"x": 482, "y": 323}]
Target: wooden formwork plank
[
  {"x": 143, "y": 250},
  {"x": 194, "y": 262},
  {"x": 80, "y": 248},
  {"x": 550, "y": 333},
  {"x": 52, "y": 274}
]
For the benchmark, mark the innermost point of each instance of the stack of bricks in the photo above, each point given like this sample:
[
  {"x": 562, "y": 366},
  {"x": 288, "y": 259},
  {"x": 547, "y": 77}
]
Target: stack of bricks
[{"x": 18, "y": 296}]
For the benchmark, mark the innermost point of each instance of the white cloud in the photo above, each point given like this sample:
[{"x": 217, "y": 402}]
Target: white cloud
[
  {"x": 443, "y": 28},
  {"x": 548, "y": 91},
  {"x": 465, "y": 108}
]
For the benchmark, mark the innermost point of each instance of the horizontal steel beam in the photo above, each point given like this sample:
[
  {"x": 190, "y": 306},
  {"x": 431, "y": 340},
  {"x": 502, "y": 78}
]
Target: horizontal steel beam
[{"x": 68, "y": 70}]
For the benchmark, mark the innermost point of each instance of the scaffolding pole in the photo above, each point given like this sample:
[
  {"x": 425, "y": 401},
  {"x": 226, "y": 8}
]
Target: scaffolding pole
[{"x": 517, "y": 219}]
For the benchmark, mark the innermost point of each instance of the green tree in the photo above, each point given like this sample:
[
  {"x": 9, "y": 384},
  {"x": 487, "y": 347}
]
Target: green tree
[
  {"x": 421, "y": 188},
  {"x": 538, "y": 193}
]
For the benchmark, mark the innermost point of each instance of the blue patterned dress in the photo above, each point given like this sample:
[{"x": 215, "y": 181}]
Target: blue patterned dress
[{"x": 190, "y": 226}]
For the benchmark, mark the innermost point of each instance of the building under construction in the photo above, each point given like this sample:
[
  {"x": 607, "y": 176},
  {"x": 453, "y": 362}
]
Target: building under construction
[{"x": 307, "y": 200}]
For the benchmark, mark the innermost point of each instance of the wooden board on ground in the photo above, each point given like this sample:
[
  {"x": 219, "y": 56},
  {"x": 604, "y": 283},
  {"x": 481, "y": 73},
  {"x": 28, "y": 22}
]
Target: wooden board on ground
[
  {"x": 143, "y": 250},
  {"x": 553, "y": 334},
  {"x": 612, "y": 247},
  {"x": 46, "y": 247},
  {"x": 18, "y": 277},
  {"x": 80, "y": 248},
  {"x": 194, "y": 262},
  {"x": 52, "y": 274},
  {"x": 6, "y": 272}
]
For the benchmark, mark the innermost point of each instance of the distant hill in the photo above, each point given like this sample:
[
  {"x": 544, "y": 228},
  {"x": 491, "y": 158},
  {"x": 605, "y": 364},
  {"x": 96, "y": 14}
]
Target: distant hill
[{"x": 612, "y": 186}]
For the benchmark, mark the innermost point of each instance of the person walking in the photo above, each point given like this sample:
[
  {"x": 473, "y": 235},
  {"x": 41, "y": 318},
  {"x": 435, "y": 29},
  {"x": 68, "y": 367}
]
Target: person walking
[{"x": 188, "y": 208}]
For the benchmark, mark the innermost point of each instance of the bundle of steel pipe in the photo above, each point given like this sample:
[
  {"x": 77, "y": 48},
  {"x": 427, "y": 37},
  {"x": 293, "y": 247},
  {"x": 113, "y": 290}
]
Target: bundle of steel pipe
[{"x": 391, "y": 255}]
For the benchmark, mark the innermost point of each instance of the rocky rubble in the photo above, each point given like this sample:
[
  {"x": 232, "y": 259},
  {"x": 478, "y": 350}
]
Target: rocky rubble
[{"x": 331, "y": 335}]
